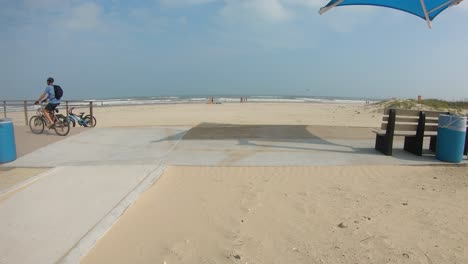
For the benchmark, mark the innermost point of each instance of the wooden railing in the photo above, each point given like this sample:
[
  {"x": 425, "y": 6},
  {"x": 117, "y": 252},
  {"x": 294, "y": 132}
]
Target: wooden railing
[{"x": 25, "y": 106}]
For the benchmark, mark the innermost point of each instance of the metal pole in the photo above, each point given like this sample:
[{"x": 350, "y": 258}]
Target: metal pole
[
  {"x": 451, "y": 2},
  {"x": 325, "y": 9},
  {"x": 66, "y": 107},
  {"x": 91, "y": 113},
  {"x": 26, "y": 112},
  {"x": 426, "y": 14},
  {"x": 4, "y": 109}
]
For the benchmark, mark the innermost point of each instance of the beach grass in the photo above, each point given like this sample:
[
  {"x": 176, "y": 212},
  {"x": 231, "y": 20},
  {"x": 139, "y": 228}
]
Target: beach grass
[{"x": 427, "y": 104}]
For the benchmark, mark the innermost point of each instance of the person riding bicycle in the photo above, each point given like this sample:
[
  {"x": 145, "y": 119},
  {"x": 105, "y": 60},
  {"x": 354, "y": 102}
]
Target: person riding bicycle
[{"x": 49, "y": 93}]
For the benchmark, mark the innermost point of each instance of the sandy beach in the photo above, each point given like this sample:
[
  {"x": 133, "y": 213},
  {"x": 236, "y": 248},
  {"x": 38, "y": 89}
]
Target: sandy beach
[
  {"x": 335, "y": 214},
  {"x": 233, "y": 131},
  {"x": 330, "y": 114},
  {"x": 339, "y": 214},
  {"x": 226, "y": 213}
]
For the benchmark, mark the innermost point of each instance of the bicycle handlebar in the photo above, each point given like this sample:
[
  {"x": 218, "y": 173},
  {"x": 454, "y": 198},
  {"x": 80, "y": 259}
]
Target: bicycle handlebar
[{"x": 41, "y": 102}]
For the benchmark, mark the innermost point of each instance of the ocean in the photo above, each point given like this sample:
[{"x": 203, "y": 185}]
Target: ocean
[{"x": 158, "y": 100}]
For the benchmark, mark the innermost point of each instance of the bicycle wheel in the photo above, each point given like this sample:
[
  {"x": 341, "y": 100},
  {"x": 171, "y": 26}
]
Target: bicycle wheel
[
  {"x": 87, "y": 119},
  {"x": 36, "y": 124},
  {"x": 62, "y": 126},
  {"x": 68, "y": 118}
]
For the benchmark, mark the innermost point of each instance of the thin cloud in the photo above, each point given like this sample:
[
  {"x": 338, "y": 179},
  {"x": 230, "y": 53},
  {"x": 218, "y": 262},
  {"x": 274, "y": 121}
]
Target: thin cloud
[
  {"x": 86, "y": 16},
  {"x": 141, "y": 20},
  {"x": 251, "y": 10},
  {"x": 184, "y": 3},
  {"x": 346, "y": 19},
  {"x": 47, "y": 4},
  {"x": 304, "y": 3}
]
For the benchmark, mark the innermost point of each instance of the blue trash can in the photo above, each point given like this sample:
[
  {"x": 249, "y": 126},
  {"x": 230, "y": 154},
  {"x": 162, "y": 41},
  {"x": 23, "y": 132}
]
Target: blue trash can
[
  {"x": 7, "y": 141},
  {"x": 451, "y": 135}
]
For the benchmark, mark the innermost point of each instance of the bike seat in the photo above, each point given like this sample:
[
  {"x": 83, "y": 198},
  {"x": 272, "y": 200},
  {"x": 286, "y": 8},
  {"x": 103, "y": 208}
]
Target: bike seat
[{"x": 82, "y": 113}]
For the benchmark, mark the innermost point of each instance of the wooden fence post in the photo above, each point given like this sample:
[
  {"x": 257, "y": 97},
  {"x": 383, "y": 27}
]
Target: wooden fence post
[
  {"x": 66, "y": 107},
  {"x": 91, "y": 113},
  {"x": 4, "y": 109},
  {"x": 26, "y": 112}
]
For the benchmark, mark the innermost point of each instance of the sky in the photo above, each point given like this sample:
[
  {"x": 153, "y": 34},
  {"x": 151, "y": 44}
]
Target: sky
[{"x": 129, "y": 48}]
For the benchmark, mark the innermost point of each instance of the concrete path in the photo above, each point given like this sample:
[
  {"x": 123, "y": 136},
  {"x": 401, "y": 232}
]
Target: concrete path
[
  {"x": 11, "y": 177},
  {"x": 57, "y": 216},
  {"x": 229, "y": 146},
  {"x": 27, "y": 142},
  {"x": 289, "y": 153},
  {"x": 45, "y": 221},
  {"x": 106, "y": 146}
]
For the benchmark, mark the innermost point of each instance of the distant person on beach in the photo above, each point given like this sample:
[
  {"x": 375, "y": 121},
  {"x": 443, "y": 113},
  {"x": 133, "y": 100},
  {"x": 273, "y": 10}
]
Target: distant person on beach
[{"x": 49, "y": 93}]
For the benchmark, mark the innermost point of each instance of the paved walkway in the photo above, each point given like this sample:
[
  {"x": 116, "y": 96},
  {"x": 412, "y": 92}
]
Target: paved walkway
[
  {"x": 43, "y": 222},
  {"x": 106, "y": 146},
  {"x": 27, "y": 142},
  {"x": 220, "y": 145},
  {"x": 57, "y": 215}
]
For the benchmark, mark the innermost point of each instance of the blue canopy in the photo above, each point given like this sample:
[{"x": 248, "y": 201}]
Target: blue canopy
[{"x": 425, "y": 9}]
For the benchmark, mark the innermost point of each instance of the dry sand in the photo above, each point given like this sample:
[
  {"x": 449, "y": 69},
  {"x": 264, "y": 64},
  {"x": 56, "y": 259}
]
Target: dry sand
[
  {"x": 357, "y": 115},
  {"x": 341, "y": 214},
  {"x": 236, "y": 113}
]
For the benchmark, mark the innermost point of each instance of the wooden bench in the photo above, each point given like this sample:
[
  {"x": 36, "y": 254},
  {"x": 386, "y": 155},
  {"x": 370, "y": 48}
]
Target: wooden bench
[{"x": 414, "y": 125}]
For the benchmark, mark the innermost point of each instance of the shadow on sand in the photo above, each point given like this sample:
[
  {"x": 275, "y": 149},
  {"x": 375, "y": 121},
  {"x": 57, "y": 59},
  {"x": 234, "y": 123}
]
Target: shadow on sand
[{"x": 346, "y": 140}]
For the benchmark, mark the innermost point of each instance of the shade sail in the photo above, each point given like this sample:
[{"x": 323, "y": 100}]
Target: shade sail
[{"x": 425, "y": 9}]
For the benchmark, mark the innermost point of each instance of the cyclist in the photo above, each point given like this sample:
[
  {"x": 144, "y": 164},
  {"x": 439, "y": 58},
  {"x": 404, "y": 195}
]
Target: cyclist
[{"x": 49, "y": 93}]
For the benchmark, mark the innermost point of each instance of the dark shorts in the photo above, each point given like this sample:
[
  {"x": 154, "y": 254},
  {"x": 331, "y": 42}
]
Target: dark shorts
[{"x": 51, "y": 107}]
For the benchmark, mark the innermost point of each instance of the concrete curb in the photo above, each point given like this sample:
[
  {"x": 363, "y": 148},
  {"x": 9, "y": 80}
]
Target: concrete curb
[
  {"x": 87, "y": 242},
  {"x": 27, "y": 182}
]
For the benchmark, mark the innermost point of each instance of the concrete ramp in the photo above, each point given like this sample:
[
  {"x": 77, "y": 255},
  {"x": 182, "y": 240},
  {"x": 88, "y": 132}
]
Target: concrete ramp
[
  {"x": 287, "y": 145},
  {"x": 106, "y": 146}
]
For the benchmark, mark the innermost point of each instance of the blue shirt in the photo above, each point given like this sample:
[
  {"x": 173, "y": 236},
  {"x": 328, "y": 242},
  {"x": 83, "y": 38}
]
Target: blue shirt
[{"x": 49, "y": 90}]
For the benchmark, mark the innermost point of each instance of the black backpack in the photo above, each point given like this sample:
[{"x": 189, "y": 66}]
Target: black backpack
[{"x": 58, "y": 92}]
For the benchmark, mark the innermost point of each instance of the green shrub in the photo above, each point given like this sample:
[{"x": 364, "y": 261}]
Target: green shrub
[
  {"x": 441, "y": 104},
  {"x": 430, "y": 104}
]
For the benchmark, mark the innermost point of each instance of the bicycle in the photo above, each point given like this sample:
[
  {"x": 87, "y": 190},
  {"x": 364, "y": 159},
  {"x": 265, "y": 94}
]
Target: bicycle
[
  {"x": 38, "y": 122},
  {"x": 81, "y": 119}
]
